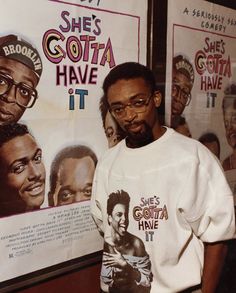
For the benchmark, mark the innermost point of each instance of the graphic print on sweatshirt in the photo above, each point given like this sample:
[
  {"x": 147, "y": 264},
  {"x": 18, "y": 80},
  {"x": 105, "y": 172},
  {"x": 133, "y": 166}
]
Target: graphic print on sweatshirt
[{"x": 126, "y": 265}]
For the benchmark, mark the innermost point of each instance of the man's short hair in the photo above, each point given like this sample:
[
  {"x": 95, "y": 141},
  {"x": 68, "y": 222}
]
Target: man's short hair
[
  {"x": 15, "y": 48},
  {"x": 229, "y": 93},
  {"x": 70, "y": 152},
  {"x": 182, "y": 64},
  {"x": 119, "y": 197},
  {"x": 209, "y": 137},
  {"x": 12, "y": 130},
  {"x": 129, "y": 70},
  {"x": 178, "y": 121}
]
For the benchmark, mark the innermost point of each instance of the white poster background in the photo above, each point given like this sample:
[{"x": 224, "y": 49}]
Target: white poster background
[
  {"x": 32, "y": 241},
  {"x": 190, "y": 24}
]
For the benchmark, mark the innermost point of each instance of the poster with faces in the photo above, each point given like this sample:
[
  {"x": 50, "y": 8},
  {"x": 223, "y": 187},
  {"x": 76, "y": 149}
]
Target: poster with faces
[
  {"x": 201, "y": 79},
  {"x": 54, "y": 56}
]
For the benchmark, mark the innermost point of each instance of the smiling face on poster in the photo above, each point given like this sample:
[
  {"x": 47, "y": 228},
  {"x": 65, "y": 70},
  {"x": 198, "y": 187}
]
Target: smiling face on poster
[{"x": 22, "y": 179}]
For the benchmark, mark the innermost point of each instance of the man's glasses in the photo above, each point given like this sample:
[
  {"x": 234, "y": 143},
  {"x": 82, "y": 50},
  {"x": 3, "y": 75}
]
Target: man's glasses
[
  {"x": 138, "y": 103},
  {"x": 176, "y": 91},
  {"x": 25, "y": 96}
]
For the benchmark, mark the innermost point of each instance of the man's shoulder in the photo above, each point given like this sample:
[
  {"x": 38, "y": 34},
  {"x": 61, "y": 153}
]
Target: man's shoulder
[
  {"x": 110, "y": 154},
  {"x": 113, "y": 150}
]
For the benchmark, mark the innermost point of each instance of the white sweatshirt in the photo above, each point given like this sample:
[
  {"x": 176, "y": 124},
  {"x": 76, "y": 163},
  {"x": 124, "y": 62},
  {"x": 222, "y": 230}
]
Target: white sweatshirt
[{"x": 179, "y": 199}]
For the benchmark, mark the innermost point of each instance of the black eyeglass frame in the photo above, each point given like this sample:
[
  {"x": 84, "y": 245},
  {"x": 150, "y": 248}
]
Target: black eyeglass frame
[{"x": 33, "y": 94}]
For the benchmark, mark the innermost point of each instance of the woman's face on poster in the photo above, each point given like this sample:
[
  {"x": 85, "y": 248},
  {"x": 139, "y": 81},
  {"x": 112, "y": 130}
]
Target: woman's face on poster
[{"x": 119, "y": 219}]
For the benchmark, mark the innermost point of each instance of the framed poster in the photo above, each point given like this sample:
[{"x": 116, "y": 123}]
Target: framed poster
[
  {"x": 201, "y": 77},
  {"x": 54, "y": 56}
]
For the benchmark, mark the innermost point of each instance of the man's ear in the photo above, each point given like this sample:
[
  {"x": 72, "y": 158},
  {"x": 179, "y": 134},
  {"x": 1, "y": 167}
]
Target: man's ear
[{"x": 157, "y": 97}]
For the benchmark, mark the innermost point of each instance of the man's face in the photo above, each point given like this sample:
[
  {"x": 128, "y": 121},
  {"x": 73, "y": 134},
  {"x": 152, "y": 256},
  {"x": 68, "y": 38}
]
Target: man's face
[
  {"x": 119, "y": 219},
  {"x": 74, "y": 183},
  {"x": 111, "y": 130},
  {"x": 10, "y": 111},
  {"x": 22, "y": 171},
  {"x": 138, "y": 126},
  {"x": 181, "y": 89},
  {"x": 230, "y": 121}
]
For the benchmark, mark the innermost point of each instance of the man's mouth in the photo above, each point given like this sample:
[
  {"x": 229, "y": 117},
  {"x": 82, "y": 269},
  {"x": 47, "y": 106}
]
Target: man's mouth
[
  {"x": 134, "y": 127},
  {"x": 5, "y": 115},
  {"x": 35, "y": 189},
  {"x": 176, "y": 109}
]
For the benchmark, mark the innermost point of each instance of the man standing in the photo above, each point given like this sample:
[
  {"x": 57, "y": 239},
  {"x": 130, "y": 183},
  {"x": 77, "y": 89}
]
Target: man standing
[
  {"x": 22, "y": 176},
  {"x": 71, "y": 175},
  {"x": 179, "y": 198},
  {"x": 20, "y": 71}
]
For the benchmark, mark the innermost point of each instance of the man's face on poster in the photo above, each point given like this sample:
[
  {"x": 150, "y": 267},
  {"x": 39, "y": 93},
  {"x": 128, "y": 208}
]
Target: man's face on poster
[
  {"x": 111, "y": 130},
  {"x": 180, "y": 92},
  {"x": 119, "y": 219},
  {"x": 230, "y": 120},
  {"x": 17, "y": 85},
  {"x": 74, "y": 182},
  {"x": 22, "y": 172}
]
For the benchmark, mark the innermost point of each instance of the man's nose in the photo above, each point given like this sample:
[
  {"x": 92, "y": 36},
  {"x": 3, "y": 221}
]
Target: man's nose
[
  {"x": 78, "y": 197},
  {"x": 34, "y": 171},
  {"x": 130, "y": 113},
  {"x": 177, "y": 95}
]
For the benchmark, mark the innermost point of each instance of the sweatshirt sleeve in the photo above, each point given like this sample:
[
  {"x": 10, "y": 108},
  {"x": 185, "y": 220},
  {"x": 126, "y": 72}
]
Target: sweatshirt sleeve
[{"x": 207, "y": 200}]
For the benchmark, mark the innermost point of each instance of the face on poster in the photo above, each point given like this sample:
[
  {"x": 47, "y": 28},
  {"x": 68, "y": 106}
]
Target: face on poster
[
  {"x": 197, "y": 81},
  {"x": 77, "y": 47},
  {"x": 201, "y": 79}
]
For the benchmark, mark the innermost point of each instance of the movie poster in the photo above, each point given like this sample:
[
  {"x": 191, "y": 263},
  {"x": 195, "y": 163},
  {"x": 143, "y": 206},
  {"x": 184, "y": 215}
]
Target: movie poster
[
  {"x": 54, "y": 56},
  {"x": 201, "y": 79}
]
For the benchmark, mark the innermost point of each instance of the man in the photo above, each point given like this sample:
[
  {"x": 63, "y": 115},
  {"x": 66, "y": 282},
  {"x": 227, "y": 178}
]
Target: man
[
  {"x": 179, "y": 197},
  {"x": 126, "y": 265},
  {"x": 112, "y": 130},
  {"x": 182, "y": 127},
  {"x": 229, "y": 113},
  {"x": 71, "y": 175},
  {"x": 22, "y": 176},
  {"x": 20, "y": 71},
  {"x": 211, "y": 141},
  {"x": 182, "y": 83}
]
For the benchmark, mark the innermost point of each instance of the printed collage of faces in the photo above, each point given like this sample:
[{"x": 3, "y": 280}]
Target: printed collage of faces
[
  {"x": 23, "y": 176},
  {"x": 182, "y": 84}
]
